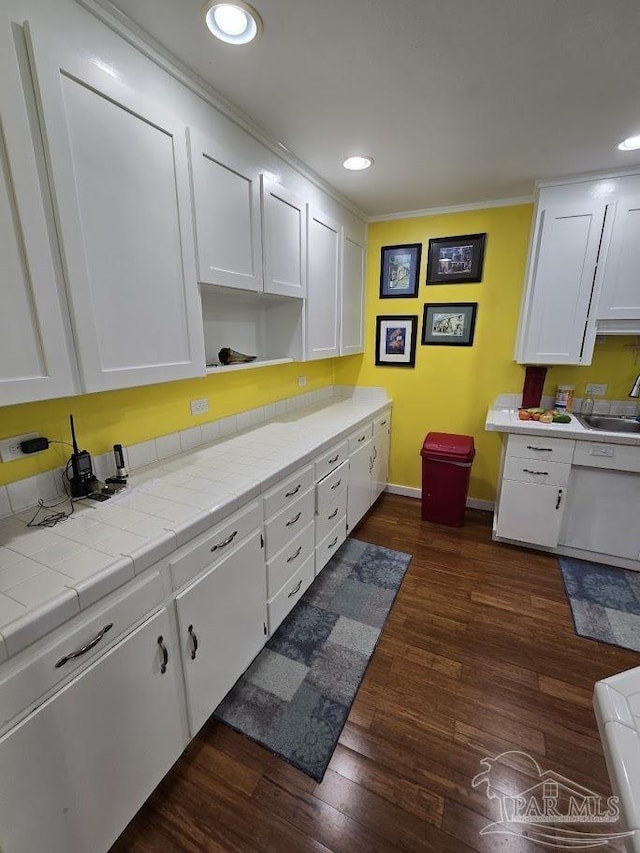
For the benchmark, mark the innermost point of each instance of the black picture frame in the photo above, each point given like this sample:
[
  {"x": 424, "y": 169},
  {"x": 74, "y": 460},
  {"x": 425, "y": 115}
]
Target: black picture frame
[
  {"x": 396, "y": 338},
  {"x": 456, "y": 260},
  {"x": 459, "y": 317},
  {"x": 400, "y": 271}
]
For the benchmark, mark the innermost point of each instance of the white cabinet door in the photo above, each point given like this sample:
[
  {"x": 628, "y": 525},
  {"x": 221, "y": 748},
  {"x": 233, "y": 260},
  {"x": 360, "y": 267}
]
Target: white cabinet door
[
  {"x": 620, "y": 293},
  {"x": 284, "y": 236},
  {"x": 78, "y": 768},
  {"x": 120, "y": 180},
  {"x": 352, "y": 297},
  {"x": 380, "y": 468},
  {"x": 226, "y": 199},
  {"x": 530, "y": 513},
  {"x": 561, "y": 274},
  {"x": 34, "y": 360},
  {"x": 222, "y": 621},
  {"x": 359, "y": 495},
  {"x": 322, "y": 309}
]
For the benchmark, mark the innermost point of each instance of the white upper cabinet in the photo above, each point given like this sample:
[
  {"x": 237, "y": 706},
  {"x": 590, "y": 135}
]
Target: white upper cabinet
[
  {"x": 284, "y": 235},
  {"x": 560, "y": 281},
  {"x": 34, "y": 359},
  {"x": 352, "y": 296},
  {"x": 226, "y": 199},
  {"x": 620, "y": 289},
  {"x": 323, "y": 286},
  {"x": 119, "y": 172}
]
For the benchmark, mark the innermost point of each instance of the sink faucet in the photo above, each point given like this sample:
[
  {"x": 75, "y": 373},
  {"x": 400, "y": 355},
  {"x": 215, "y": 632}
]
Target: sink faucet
[{"x": 635, "y": 388}]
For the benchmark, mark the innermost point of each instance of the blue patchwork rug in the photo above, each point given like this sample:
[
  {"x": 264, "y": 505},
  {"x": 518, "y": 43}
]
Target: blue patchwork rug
[
  {"x": 605, "y": 601},
  {"x": 295, "y": 697}
]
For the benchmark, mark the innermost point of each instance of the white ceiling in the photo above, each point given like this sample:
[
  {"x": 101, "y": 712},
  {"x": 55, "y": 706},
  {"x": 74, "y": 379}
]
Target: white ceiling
[{"x": 458, "y": 101}]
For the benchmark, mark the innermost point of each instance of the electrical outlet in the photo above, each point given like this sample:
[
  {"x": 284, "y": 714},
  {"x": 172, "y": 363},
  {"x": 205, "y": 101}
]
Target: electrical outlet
[
  {"x": 302, "y": 381},
  {"x": 10, "y": 447},
  {"x": 200, "y": 407},
  {"x": 593, "y": 390}
]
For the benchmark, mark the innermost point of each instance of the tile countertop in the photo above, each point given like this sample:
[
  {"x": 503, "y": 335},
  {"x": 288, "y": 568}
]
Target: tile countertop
[
  {"x": 47, "y": 575},
  {"x": 506, "y": 420}
]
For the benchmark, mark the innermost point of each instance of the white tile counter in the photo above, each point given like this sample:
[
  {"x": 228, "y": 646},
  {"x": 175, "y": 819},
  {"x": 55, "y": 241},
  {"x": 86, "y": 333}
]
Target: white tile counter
[
  {"x": 47, "y": 575},
  {"x": 506, "y": 420}
]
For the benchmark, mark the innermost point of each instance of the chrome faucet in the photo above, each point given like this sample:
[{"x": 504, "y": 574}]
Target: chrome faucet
[{"x": 635, "y": 388}]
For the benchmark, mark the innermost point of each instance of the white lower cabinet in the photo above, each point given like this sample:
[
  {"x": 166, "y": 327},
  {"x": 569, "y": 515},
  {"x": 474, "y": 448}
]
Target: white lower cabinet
[
  {"x": 223, "y": 623},
  {"x": 78, "y": 768},
  {"x": 359, "y": 497},
  {"x": 369, "y": 472},
  {"x": 380, "y": 458},
  {"x": 530, "y": 513}
]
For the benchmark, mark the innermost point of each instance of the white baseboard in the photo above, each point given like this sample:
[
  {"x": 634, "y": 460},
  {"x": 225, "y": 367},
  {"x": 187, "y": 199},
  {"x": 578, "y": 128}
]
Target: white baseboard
[{"x": 411, "y": 492}]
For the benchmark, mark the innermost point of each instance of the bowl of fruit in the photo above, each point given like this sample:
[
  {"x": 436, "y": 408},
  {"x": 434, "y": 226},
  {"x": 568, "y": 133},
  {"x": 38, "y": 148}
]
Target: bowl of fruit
[{"x": 544, "y": 416}]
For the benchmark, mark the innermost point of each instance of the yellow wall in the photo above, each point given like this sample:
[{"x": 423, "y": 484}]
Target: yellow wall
[
  {"x": 137, "y": 414},
  {"x": 451, "y": 388}
]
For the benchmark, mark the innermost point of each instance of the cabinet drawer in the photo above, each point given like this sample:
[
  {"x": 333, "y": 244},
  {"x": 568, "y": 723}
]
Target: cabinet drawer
[
  {"x": 30, "y": 677},
  {"x": 286, "y": 492},
  {"x": 616, "y": 457},
  {"x": 536, "y": 471},
  {"x": 288, "y": 523},
  {"x": 290, "y": 594},
  {"x": 328, "y": 461},
  {"x": 328, "y": 488},
  {"x": 206, "y": 550},
  {"x": 327, "y": 519},
  {"x": 359, "y": 438},
  {"x": 289, "y": 560},
  {"x": 330, "y": 544},
  {"x": 381, "y": 422},
  {"x": 542, "y": 447}
]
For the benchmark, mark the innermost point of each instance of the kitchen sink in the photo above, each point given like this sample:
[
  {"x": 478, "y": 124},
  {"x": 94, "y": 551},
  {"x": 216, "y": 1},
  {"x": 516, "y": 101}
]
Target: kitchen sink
[{"x": 611, "y": 423}]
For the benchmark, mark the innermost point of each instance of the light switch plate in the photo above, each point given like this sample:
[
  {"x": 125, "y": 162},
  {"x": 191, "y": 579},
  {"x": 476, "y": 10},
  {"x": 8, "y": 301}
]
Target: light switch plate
[
  {"x": 200, "y": 406},
  {"x": 593, "y": 390}
]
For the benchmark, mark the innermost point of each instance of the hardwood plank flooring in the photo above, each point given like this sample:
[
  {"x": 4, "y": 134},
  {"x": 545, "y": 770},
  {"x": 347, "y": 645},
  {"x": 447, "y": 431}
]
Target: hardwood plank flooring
[{"x": 478, "y": 657}]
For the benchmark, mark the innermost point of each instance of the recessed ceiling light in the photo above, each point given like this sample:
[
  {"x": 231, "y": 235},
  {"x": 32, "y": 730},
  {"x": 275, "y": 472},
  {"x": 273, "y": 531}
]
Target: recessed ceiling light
[
  {"x": 358, "y": 162},
  {"x": 630, "y": 144},
  {"x": 234, "y": 23}
]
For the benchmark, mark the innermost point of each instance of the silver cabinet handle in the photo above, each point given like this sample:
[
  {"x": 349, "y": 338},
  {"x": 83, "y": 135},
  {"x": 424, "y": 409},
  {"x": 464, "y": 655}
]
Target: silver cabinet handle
[
  {"x": 559, "y": 501},
  {"x": 294, "y": 492},
  {"x": 333, "y": 514},
  {"x": 226, "y": 542},
  {"x": 294, "y": 556},
  {"x": 194, "y": 641},
  {"x": 297, "y": 588},
  {"x": 293, "y": 520},
  {"x": 331, "y": 544},
  {"x": 529, "y": 471},
  {"x": 86, "y": 648},
  {"x": 545, "y": 449},
  {"x": 165, "y": 655},
  {"x": 362, "y": 438},
  {"x": 370, "y": 464},
  {"x": 335, "y": 485},
  {"x": 382, "y": 423},
  {"x": 335, "y": 459}
]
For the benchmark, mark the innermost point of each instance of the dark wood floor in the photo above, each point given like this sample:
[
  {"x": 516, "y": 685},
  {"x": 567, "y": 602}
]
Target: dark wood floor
[{"x": 478, "y": 657}]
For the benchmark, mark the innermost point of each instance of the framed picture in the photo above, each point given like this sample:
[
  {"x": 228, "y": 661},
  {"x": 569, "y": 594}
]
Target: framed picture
[
  {"x": 396, "y": 340},
  {"x": 449, "y": 324},
  {"x": 400, "y": 270},
  {"x": 456, "y": 260}
]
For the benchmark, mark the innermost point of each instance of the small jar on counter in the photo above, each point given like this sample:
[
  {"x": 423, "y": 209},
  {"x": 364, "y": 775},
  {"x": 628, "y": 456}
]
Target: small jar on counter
[{"x": 563, "y": 401}]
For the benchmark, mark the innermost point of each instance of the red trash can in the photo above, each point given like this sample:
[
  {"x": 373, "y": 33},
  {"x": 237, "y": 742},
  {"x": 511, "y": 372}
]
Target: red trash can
[{"x": 446, "y": 470}]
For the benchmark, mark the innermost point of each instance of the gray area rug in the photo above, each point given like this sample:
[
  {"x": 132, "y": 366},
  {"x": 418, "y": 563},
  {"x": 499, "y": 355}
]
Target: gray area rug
[
  {"x": 605, "y": 601},
  {"x": 295, "y": 697}
]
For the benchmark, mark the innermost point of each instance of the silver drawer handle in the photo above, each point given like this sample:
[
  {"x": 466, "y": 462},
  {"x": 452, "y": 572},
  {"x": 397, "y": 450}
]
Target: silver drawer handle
[
  {"x": 335, "y": 485},
  {"x": 333, "y": 514},
  {"x": 294, "y": 556},
  {"x": 529, "y": 471},
  {"x": 293, "y": 520},
  {"x": 331, "y": 544},
  {"x": 294, "y": 492},
  {"x": 382, "y": 423},
  {"x": 165, "y": 655},
  {"x": 335, "y": 459},
  {"x": 545, "y": 449},
  {"x": 86, "y": 648},
  {"x": 226, "y": 542},
  {"x": 362, "y": 438},
  {"x": 297, "y": 589}
]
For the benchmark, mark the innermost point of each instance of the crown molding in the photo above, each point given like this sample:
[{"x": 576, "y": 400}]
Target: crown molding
[
  {"x": 454, "y": 208},
  {"x": 140, "y": 39},
  {"x": 588, "y": 176}
]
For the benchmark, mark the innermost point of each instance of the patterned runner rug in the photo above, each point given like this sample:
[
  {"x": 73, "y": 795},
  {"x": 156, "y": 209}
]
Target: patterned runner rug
[{"x": 295, "y": 697}]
